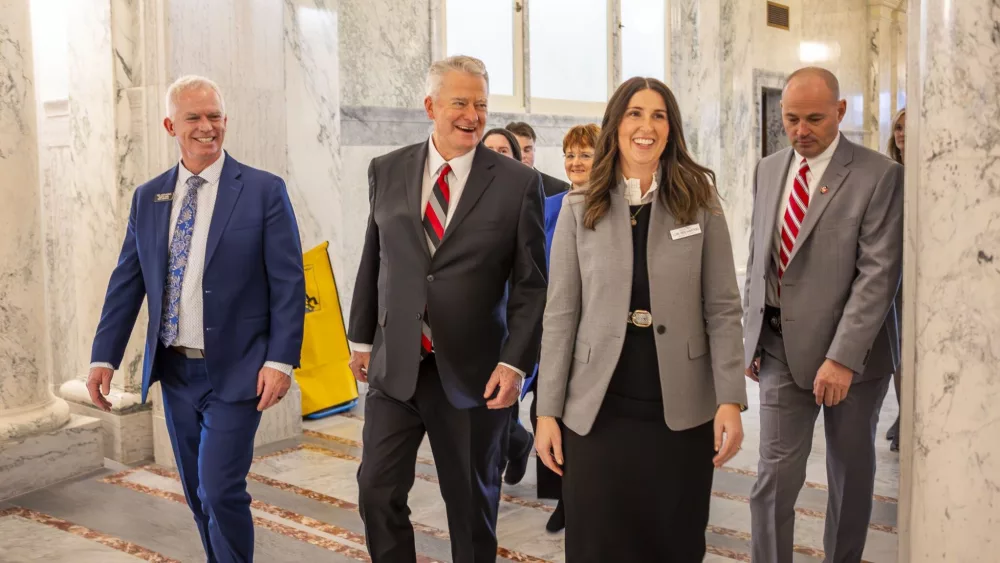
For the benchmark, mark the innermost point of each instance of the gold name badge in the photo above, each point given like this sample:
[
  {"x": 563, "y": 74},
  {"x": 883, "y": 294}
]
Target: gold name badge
[{"x": 163, "y": 197}]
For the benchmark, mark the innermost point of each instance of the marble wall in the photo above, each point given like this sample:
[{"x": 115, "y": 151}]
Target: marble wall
[{"x": 950, "y": 504}]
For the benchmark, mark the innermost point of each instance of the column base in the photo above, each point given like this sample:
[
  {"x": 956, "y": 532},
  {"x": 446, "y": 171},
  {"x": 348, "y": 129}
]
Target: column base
[
  {"x": 35, "y": 461},
  {"x": 280, "y": 422},
  {"x": 127, "y": 429}
]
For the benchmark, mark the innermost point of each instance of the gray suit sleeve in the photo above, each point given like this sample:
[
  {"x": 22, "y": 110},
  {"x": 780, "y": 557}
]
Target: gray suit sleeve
[
  {"x": 879, "y": 270},
  {"x": 562, "y": 315},
  {"x": 721, "y": 308}
]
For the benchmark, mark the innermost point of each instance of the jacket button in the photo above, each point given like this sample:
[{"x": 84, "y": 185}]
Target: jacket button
[
  {"x": 660, "y": 329},
  {"x": 761, "y": 310},
  {"x": 430, "y": 278},
  {"x": 419, "y": 316}
]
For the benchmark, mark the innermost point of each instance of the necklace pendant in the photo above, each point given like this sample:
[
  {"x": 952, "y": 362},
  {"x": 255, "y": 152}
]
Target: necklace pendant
[{"x": 634, "y": 222}]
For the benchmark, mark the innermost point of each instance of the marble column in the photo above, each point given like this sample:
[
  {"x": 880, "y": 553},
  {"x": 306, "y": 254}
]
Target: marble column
[
  {"x": 40, "y": 442},
  {"x": 105, "y": 77},
  {"x": 884, "y": 43},
  {"x": 950, "y": 491},
  {"x": 695, "y": 75}
]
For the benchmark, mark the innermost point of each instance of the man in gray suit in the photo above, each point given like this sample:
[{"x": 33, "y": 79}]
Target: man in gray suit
[{"x": 820, "y": 331}]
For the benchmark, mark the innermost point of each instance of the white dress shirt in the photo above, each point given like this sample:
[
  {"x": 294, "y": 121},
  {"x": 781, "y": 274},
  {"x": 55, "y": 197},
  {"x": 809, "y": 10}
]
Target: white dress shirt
[
  {"x": 817, "y": 167},
  {"x": 633, "y": 191},
  {"x": 190, "y": 314},
  {"x": 461, "y": 167}
]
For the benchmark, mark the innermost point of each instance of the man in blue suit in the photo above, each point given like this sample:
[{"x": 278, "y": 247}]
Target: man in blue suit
[{"x": 214, "y": 247}]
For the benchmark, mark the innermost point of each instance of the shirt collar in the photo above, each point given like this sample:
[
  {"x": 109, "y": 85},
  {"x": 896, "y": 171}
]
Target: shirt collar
[
  {"x": 823, "y": 158},
  {"x": 461, "y": 166},
  {"x": 211, "y": 174},
  {"x": 633, "y": 193}
]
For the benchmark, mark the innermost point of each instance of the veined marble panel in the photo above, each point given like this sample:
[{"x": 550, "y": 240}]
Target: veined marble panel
[
  {"x": 26, "y": 540},
  {"x": 736, "y": 122},
  {"x": 312, "y": 92},
  {"x": 384, "y": 52},
  {"x": 38, "y": 460},
  {"x": 245, "y": 55},
  {"x": 952, "y": 299},
  {"x": 23, "y": 380}
]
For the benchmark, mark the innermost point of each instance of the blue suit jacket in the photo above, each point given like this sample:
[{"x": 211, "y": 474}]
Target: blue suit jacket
[
  {"x": 552, "y": 206},
  {"x": 253, "y": 285}
]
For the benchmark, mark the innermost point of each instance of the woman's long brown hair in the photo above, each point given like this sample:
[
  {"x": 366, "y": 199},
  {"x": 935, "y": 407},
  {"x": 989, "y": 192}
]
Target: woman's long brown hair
[{"x": 685, "y": 185}]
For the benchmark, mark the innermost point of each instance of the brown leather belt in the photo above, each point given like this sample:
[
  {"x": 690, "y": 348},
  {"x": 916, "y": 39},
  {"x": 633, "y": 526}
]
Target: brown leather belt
[{"x": 190, "y": 353}]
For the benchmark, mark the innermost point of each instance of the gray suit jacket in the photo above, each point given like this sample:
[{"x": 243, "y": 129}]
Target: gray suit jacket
[
  {"x": 695, "y": 305},
  {"x": 838, "y": 289}
]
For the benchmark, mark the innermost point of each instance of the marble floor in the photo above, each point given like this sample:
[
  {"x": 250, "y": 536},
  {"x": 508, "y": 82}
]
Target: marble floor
[{"x": 305, "y": 508}]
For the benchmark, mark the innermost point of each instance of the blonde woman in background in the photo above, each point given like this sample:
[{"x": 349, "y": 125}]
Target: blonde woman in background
[{"x": 897, "y": 143}]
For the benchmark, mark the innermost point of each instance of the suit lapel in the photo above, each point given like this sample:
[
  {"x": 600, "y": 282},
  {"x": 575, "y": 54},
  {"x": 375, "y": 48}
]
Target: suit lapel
[
  {"x": 161, "y": 221},
  {"x": 776, "y": 189},
  {"x": 620, "y": 234},
  {"x": 414, "y": 184},
  {"x": 229, "y": 192},
  {"x": 832, "y": 179},
  {"x": 480, "y": 178}
]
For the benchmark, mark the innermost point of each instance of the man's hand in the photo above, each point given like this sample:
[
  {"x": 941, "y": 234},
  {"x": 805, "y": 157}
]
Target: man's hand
[
  {"x": 99, "y": 385},
  {"x": 753, "y": 372},
  {"x": 728, "y": 433},
  {"x": 832, "y": 382},
  {"x": 510, "y": 387},
  {"x": 271, "y": 387},
  {"x": 359, "y": 365}
]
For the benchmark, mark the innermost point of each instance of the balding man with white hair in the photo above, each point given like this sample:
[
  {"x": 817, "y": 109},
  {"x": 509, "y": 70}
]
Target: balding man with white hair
[
  {"x": 451, "y": 222},
  {"x": 213, "y": 247},
  {"x": 820, "y": 330}
]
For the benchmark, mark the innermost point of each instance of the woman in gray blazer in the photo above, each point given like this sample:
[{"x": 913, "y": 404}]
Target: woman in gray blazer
[{"x": 642, "y": 343}]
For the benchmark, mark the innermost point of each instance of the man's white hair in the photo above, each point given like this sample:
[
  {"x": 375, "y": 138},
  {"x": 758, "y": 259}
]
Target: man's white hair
[
  {"x": 190, "y": 82},
  {"x": 459, "y": 63}
]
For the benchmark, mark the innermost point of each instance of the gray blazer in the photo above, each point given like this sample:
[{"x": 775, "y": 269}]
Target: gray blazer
[
  {"x": 842, "y": 277},
  {"x": 695, "y": 305}
]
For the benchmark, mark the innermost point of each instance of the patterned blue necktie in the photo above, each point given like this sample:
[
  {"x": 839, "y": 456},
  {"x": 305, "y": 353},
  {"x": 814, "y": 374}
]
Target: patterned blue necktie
[{"x": 180, "y": 245}]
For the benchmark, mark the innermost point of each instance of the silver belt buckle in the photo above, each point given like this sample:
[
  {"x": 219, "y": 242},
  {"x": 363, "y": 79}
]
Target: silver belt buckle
[{"x": 640, "y": 318}]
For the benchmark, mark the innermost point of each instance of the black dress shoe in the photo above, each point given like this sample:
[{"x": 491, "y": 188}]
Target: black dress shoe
[
  {"x": 894, "y": 445},
  {"x": 558, "y": 519},
  {"x": 517, "y": 465},
  {"x": 893, "y": 431}
]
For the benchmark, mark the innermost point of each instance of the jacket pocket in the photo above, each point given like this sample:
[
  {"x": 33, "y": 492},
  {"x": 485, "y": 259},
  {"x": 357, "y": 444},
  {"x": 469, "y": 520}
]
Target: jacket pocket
[
  {"x": 581, "y": 352},
  {"x": 382, "y": 313},
  {"x": 697, "y": 346}
]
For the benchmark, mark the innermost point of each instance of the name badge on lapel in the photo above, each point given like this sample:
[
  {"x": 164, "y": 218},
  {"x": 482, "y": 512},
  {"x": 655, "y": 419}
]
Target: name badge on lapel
[
  {"x": 685, "y": 232},
  {"x": 163, "y": 197}
]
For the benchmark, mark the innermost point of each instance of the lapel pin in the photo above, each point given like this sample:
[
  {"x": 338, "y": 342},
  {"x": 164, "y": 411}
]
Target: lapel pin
[
  {"x": 163, "y": 197},
  {"x": 824, "y": 189}
]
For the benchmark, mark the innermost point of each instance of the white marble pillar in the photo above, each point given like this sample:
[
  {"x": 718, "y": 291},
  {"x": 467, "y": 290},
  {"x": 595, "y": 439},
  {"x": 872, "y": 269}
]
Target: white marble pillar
[
  {"x": 695, "y": 75},
  {"x": 105, "y": 73},
  {"x": 882, "y": 86},
  {"x": 39, "y": 441},
  {"x": 950, "y": 493}
]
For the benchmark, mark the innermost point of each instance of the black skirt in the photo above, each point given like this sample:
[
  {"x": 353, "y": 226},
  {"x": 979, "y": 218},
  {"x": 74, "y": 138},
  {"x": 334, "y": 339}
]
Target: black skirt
[{"x": 634, "y": 490}]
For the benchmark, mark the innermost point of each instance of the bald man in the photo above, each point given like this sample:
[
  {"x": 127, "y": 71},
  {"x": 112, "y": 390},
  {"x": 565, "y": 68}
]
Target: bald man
[{"x": 820, "y": 330}]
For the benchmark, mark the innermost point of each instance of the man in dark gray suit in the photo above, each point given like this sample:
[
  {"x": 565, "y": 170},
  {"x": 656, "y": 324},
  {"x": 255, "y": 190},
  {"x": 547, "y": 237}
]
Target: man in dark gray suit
[
  {"x": 820, "y": 329},
  {"x": 526, "y": 138},
  {"x": 451, "y": 222}
]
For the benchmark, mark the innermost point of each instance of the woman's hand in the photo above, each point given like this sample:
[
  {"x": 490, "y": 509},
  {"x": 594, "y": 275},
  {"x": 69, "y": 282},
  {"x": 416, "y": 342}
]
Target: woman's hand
[
  {"x": 548, "y": 443},
  {"x": 728, "y": 423}
]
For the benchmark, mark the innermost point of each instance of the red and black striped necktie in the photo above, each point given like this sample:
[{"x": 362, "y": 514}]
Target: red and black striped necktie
[{"x": 435, "y": 216}]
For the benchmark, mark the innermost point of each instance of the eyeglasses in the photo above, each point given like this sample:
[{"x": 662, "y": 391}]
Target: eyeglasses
[{"x": 581, "y": 156}]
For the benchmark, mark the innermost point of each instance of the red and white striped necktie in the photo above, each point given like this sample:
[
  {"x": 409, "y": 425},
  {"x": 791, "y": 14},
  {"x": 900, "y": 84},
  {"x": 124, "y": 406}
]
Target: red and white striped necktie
[
  {"x": 435, "y": 216},
  {"x": 795, "y": 213}
]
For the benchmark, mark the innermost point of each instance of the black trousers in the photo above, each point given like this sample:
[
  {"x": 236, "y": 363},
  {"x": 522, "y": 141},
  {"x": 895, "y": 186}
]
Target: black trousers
[
  {"x": 635, "y": 490},
  {"x": 467, "y": 447}
]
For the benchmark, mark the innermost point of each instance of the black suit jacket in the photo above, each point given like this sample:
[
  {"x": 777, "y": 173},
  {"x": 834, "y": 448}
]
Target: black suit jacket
[
  {"x": 553, "y": 185},
  {"x": 496, "y": 234}
]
